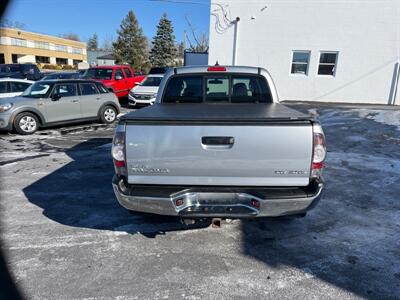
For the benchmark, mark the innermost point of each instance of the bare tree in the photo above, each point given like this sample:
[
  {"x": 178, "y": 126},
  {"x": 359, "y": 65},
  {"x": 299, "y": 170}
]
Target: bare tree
[
  {"x": 107, "y": 44},
  {"x": 200, "y": 42}
]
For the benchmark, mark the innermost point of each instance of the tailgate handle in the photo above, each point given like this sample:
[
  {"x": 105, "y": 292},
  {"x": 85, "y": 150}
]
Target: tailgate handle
[{"x": 217, "y": 142}]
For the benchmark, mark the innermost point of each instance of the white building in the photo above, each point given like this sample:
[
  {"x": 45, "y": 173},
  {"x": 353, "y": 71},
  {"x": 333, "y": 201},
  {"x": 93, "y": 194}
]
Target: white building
[{"x": 325, "y": 50}]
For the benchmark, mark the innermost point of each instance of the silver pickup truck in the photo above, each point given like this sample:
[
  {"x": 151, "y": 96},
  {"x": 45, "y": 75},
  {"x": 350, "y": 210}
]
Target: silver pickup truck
[{"x": 217, "y": 143}]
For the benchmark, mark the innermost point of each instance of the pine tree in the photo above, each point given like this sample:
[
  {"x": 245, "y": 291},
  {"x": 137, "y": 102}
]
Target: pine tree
[
  {"x": 163, "y": 51},
  {"x": 93, "y": 43},
  {"x": 131, "y": 45}
]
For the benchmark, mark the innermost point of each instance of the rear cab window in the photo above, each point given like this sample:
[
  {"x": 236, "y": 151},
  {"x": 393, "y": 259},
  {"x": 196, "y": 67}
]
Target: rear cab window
[
  {"x": 217, "y": 88},
  {"x": 184, "y": 89},
  {"x": 250, "y": 89},
  {"x": 99, "y": 73}
]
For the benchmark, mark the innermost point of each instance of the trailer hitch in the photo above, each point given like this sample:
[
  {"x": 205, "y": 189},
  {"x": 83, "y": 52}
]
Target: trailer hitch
[{"x": 216, "y": 223}]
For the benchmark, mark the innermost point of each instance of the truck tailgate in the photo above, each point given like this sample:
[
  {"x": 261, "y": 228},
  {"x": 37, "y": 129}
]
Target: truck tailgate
[{"x": 269, "y": 153}]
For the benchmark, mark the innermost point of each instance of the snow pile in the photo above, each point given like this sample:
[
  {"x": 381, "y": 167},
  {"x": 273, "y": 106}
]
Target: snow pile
[{"x": 388, "y": 117}]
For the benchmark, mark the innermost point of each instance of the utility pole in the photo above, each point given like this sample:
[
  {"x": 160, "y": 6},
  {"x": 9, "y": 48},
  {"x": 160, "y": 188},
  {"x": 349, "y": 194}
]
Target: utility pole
[{"x": 184, "y": 40}]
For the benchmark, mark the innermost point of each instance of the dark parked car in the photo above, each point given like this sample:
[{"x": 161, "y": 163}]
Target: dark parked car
[
  {"x": 21, "y": 71},
  {"x": 159, "y": 70},
  {"x": 63, "y": 75}
]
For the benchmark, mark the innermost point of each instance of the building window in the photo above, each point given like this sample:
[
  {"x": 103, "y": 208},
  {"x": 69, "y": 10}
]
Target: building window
[
  {"x": 76, "y": 50},
  {"x": 41, "y": 45},
  {"x": 18, "y": 42},
  {"x": 327, "y": 63},
  {"x": 300, "y": 62},
  {"x": 61, "y": 61},
  {"x": 43, "y": 59},
  {"x": 61, "y": 48}
]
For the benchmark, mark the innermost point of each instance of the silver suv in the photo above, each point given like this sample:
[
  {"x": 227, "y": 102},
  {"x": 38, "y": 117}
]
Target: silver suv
[{"x": 55, "y": 102}]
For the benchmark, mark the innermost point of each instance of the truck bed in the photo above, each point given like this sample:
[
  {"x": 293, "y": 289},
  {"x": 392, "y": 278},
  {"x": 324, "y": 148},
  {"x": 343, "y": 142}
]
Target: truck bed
[
  {"x": 218, "y": 144},
  {"x": 216, "y": 113}
]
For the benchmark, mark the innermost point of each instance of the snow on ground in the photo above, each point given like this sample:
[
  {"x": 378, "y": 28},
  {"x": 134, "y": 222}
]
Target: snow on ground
[{"x": 388, "y": 117}]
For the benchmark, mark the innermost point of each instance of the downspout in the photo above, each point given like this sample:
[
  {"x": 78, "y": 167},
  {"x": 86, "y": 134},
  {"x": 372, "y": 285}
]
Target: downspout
[
  {"x": 235, "y": 40},
  {"x": 395, "y": 84}
]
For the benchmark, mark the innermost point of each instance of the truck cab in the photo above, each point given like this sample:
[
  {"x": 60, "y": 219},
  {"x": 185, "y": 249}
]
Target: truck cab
[{"x": 119, "y": 78}]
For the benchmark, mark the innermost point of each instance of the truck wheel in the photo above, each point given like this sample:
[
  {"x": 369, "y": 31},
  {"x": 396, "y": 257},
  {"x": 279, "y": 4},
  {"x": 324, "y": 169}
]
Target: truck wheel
[
  {"x": 108, "y": 114},
  {"x": 26, "y": 123}
]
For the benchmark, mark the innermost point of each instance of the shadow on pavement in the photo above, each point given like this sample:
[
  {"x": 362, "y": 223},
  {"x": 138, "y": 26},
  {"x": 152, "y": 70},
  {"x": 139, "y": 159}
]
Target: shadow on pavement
[{"x": 80, "y": 194}]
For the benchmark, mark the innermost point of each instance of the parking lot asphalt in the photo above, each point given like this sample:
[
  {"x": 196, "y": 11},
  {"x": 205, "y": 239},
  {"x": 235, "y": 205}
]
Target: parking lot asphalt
[{"x": 66, "y": 237}]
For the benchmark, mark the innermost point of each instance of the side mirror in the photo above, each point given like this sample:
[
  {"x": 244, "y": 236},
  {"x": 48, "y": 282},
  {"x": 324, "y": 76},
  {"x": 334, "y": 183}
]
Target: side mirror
[
  {"x": 118, "y": 77},
  {"x": 56, "y": 97}
]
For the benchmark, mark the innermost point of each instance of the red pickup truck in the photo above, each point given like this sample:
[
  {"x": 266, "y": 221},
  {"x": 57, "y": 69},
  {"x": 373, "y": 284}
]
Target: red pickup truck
[{"x": 120, "y": 78}]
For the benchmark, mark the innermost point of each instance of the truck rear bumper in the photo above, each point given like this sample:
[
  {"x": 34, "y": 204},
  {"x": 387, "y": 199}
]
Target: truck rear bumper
[{"x": 224, "y": 202}]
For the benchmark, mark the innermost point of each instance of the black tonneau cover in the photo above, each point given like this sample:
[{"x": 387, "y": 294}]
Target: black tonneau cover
[{"x": 216, "y": 113}]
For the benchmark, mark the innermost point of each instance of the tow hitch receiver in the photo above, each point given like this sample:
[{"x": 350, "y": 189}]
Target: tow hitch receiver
[{"x": 216, "y": 223}]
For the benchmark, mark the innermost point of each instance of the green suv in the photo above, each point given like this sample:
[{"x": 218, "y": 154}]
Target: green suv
[{"x": 56, "y": 102}]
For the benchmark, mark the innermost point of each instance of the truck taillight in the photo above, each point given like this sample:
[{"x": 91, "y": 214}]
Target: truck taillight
[
  {"x": 319, "y": 151},
  {"x": 216, "y": 69},
  {"x": 118, "y": 150}
]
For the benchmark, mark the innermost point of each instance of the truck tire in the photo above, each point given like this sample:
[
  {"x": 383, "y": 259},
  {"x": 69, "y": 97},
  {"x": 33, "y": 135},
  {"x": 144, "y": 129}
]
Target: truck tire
[
  {"x": 108, "y": 114},
  {"x": 26, "y": 123}
]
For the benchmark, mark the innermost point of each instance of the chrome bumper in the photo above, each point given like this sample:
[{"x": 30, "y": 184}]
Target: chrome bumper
[
  {"x": 133, "y": 101},
  {"x": 222, "y": 204}
]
